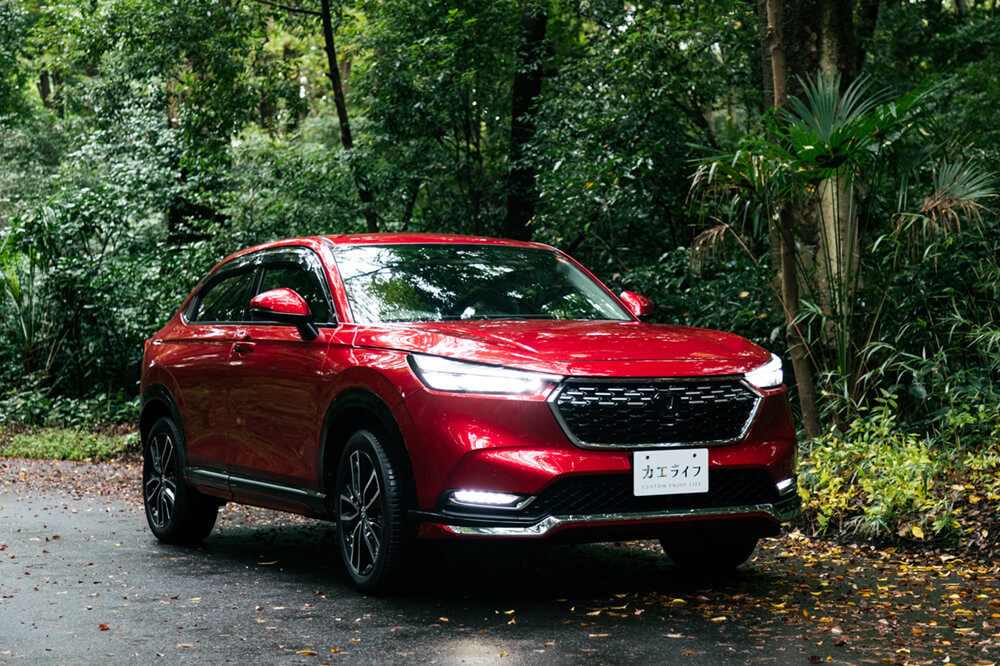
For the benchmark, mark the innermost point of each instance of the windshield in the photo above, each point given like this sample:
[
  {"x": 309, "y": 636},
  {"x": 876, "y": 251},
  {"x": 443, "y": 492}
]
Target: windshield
[{"x": 442, "y": 282}]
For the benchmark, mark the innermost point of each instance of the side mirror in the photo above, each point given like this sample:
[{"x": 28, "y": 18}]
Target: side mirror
[
  {"x": 637, "y": 304},
  {"x": 286, "y": 306}
]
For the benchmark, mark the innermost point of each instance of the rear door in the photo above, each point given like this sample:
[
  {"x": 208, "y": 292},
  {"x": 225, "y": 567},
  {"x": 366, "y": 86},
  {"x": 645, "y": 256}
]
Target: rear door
[{"x": 213, "y": 319}]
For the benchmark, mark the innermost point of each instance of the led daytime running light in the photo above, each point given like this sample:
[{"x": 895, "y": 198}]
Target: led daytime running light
[{"x": 484, "y": 498}]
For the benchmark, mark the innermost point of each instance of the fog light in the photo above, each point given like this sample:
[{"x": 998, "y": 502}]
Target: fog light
[
  {"x": 786, "y": 486},
  {"x": 486, "y": 498}
]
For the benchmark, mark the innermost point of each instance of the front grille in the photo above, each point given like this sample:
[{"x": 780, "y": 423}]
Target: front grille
[
  {"x": 603, "y": 494},
  {"x": 655, "y": 412}
]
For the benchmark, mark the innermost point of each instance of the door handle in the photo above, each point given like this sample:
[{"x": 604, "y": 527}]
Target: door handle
[{"x": 243, "y": 347}]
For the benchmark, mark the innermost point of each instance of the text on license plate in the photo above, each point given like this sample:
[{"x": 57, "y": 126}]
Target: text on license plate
[{"x": 672, "y": 472}]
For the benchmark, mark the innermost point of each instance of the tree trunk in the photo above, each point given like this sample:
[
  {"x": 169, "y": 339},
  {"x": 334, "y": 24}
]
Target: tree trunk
[
  {"x": 45, "y": 89},
  {"x": 333, "y": 71},
  {"x": 789, "y": 279},
  {"x": 524, "y": 110},
  {"x": 764, "y": 42},
  {"x": 867, "y": 22}
]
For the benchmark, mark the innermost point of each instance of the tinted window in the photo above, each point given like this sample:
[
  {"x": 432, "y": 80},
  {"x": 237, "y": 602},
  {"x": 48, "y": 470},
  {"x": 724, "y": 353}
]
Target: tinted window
[
  {"x": 304, "y": 280},
  {"x": 387, "y": 283},
  {"x": 225, "y": 299}
]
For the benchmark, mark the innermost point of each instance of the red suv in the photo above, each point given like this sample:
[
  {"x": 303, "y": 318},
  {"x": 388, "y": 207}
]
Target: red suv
[{"x": 430, "y": 386}]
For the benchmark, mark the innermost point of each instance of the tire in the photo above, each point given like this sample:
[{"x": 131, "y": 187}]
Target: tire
[
  {"x": 707, "y": 552},
  {"x": 370, "y": 511},
  {"x": 176, "y": 512}
]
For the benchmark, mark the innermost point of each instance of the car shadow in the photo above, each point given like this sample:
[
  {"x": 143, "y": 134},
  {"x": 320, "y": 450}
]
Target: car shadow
[{"x": 485, "y": 570}]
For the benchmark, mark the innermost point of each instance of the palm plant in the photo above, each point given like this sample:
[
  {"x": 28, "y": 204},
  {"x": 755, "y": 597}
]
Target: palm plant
[
  {"x": 814, "y": 161},
  {"x": 30, "y": 331}
]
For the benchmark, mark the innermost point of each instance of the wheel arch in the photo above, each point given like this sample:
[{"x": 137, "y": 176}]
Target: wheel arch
[
  {"x": 157, "y": 402},
  {"x": 352, "y": 410}
]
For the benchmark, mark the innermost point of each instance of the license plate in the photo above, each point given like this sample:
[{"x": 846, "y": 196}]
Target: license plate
[{"x": 675, "y": 472}]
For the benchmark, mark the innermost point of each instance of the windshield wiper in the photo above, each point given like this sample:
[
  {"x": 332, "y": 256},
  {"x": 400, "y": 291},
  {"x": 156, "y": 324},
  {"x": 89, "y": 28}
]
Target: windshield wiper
[{"x": 482, "y": 317}]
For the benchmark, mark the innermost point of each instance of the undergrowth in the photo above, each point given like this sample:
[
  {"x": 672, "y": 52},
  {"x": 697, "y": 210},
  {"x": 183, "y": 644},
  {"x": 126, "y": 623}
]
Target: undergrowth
[
  {"x": 67, "y": 444},
  {"x": 879, "y": 479}
]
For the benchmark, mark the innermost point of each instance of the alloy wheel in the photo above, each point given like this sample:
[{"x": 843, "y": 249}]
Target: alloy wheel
[
  {"x": 161, "y": 484},
  {"x": 361, "y": 515}
]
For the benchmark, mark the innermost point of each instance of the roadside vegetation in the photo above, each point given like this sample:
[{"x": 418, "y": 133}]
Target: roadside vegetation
[
  {"x": 82, "y": 444},
  {"x": 854, "y": 230}
]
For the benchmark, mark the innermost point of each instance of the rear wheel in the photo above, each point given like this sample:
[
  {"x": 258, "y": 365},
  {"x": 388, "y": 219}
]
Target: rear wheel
[
  {"x": 709, "y": 552},
  {"x": 176, "y": 513},
  {"x": 370, "y": 512}
]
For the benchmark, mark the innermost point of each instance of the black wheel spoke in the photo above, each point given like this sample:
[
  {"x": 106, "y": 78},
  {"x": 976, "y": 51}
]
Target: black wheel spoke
[
  {"x": 352, "y": 510},
  {"x": 355, "y": 547},
  {"x": 360, "y": 511},
  {"x": 160, "y": 488},
  {"x": 372, "y": 491},
  {"x": 356, "y": 475},
  {"x": 371, "y": 541}
]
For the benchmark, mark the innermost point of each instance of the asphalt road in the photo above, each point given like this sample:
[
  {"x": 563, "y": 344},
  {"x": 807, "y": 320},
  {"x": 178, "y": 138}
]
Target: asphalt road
[{"x": 83, "y": 581}]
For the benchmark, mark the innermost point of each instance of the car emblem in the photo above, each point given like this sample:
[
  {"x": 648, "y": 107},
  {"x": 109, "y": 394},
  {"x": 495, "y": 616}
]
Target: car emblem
[{"x": 665, "y": 405}]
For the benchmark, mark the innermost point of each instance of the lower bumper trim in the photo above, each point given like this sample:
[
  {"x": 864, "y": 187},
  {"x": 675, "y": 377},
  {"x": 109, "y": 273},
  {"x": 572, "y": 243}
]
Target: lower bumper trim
[{"x": 547, "y": 525}]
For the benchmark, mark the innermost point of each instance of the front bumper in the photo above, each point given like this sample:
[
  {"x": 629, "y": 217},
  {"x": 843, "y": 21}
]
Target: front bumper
[{"x": 633, "y": 521}]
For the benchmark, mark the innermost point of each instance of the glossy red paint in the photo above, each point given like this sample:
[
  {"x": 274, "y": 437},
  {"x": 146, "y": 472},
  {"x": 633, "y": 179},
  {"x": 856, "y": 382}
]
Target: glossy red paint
[
  {"x": 265, "y": 412},
  {"x": 281, "y": 301},
  {"x": 638, "y": 305}
]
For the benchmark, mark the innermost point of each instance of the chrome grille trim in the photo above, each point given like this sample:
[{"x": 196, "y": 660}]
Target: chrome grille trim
[{"x": 645, "y": 390}]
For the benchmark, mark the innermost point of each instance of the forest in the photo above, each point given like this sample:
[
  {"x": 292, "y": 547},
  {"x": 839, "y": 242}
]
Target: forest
[{"x": 816, "y": 175}]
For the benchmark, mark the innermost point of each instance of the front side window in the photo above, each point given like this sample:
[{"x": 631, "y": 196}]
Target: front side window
[
  {"x": 225, "y": 299},
  {"x": 442, "y": 282},
  {"x": 299, "y": 271}
]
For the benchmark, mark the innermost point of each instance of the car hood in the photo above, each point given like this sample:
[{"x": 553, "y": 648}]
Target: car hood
[{"x": 591, "y": 348}]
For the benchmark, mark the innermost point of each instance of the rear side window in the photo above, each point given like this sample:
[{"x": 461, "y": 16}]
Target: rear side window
[{"x": 225, "y": 299}]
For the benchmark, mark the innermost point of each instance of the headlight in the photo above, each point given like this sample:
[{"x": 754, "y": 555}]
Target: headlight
[
  {"x": 443, "y": 374},
  {"x": 768, "y": 375}
]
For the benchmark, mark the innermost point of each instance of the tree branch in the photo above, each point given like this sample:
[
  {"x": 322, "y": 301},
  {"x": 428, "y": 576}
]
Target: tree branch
[{"x": 288, "y": 8}]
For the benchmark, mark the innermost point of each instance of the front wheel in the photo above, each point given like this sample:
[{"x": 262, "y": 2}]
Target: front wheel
[
  {"x": 709, "y": 552},
  {"x": 370, "y": 512},
  {"x": 176, "y": 512}
]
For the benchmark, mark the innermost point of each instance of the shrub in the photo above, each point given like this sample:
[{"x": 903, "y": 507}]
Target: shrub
[
  {"x": 880, "y": 479},
  {"x": 69, "y": 444}
]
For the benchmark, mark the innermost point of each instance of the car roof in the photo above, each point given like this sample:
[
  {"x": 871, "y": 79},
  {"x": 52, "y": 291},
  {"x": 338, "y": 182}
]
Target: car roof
[
  {"x": 420, "y": 238},
  {"x": 316, "y": 242}
]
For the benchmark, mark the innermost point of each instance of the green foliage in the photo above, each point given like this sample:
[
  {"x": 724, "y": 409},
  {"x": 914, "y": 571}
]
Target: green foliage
[
  {"x": 36, "y": 407},
  {"x": 69, "y": 444},
  {"x": 437, "y": 119},
  {"x": 279, "y": 187},
  {"x": 622, "y": 120},
  {"x": 882, "y": 478},
  {"x": 732, "y": 294},
  {"x": 876, "y": 478},
  {"x": 13, "y": 33}
]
